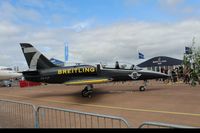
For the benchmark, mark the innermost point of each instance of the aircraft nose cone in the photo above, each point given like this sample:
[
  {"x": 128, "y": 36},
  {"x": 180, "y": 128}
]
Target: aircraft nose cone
[
  {"x": 162, "y": 75},
  {"x": 159, "y": 75}
]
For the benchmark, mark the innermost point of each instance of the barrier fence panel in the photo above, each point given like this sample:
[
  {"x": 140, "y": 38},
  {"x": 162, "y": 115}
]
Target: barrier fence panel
[
  {"x": 162, "y": 125},
  {"x": 16, "y": 114},
  {"x": 23, "y": 115},
  {"x": 62, "y": 118}
]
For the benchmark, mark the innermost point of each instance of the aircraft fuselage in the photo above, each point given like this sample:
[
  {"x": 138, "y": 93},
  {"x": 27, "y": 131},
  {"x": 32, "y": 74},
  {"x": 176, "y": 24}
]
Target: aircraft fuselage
[
  {"x": 6, "y": 75},
  {"x": 59, "y": 75}
]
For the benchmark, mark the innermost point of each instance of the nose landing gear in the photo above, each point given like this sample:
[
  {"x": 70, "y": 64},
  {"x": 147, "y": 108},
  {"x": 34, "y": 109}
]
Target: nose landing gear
[{"x": 143, "y": 88}]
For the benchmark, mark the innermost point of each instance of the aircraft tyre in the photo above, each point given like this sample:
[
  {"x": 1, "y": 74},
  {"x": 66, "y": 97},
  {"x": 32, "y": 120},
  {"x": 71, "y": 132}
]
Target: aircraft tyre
[
  {"x": 87, "y": 92},
  {"x": 142, "y": 88},
  {"x": 9, "y": 85}
]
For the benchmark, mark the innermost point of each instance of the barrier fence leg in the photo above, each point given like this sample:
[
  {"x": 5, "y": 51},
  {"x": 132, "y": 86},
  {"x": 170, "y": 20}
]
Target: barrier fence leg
[{"x": 36, "y": 120}]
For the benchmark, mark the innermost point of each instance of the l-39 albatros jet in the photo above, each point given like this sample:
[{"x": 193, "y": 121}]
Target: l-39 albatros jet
[{"x": 42, "y": 70}]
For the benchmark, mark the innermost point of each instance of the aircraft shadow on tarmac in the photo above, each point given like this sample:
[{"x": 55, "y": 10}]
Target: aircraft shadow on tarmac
[{"x": 97, "y": 94}]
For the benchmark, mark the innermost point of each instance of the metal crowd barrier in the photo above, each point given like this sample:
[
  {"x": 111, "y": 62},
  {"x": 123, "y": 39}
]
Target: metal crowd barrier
[
  {"x": 162, "y": 125},
  {"x": 24, "y": 115},
  {"x": 62, "y": 118},
  {"x": 16, "y": 114}
]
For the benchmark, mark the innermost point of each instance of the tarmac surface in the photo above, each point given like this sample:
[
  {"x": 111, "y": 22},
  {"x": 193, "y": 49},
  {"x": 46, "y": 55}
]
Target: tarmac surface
[{"x": 167, "y": 103}]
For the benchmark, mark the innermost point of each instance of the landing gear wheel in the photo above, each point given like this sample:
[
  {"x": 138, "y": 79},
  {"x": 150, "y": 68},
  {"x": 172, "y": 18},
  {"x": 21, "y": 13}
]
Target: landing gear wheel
[
  {"x": 9, "y": 85},
  {"x": 87, "y": 92},
  {"x": 142, "y": 88}
]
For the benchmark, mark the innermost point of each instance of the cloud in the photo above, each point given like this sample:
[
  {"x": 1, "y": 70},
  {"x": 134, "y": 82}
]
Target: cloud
[
  {"x": 38, "y": 12},
  {"x": 103, "y": 44},
  {"x": 8, "y": 29},
  {"x": 131, "y": 2},
  {"x": 120, "y": 41},
  {"x": 180, "y": 8},
  {"x": 16, "y": 14},
  {"x": 81, "y": 26},
  {"x": 168, "y": 3},
  {"x": 52, "y": 5},
  {"x": 107, "y": 44},
  {"x": 171, "y": 3}
]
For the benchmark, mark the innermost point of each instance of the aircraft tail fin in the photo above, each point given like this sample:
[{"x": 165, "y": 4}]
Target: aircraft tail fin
[{"x": 34, "y": 58}]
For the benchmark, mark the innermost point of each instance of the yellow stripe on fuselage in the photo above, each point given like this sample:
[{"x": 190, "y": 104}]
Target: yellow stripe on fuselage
[{"x": 83, "y": 82}]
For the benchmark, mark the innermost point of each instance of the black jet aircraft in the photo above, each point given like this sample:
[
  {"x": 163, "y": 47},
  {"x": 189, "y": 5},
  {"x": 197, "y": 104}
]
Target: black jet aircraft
[{"x": 42, "y": 70}]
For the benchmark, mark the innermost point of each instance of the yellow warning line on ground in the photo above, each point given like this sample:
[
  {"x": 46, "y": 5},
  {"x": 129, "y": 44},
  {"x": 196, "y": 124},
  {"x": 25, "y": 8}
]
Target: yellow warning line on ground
[{"x": 107, "y": 107}]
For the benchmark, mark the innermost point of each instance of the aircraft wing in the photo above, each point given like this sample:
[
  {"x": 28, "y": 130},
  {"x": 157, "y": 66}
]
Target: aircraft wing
[{"x": 87, "y": 81}]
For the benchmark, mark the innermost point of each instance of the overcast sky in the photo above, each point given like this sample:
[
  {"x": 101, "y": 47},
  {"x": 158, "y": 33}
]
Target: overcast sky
[{"x": 98, "y": 30}]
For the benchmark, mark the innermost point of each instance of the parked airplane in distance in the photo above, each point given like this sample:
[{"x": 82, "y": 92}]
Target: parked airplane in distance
[
  {"x": 42, "y": 70},
  {"x": 7, "y": 73}
]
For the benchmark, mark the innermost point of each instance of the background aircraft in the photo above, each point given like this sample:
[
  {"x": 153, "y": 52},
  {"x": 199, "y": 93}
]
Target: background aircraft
[
  {"x": 42, "y": 70},
  {"x": 6, "y": 74}
]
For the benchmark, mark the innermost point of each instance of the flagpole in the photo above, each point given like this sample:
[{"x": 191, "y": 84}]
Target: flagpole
[{"x": 66, "y": 53}]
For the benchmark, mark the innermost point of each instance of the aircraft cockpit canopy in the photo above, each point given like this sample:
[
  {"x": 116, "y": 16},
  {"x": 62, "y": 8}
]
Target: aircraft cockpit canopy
[{"x": 120, "y": 65}]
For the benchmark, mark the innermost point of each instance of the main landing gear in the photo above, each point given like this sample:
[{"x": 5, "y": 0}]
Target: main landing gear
[
  {"x": 143, "y": 88},
  {"x": 87, "y": 92}
]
